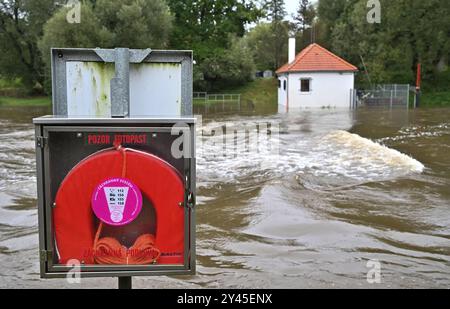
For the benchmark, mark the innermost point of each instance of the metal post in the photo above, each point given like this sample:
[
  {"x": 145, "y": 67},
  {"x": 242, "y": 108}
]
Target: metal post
[
  {"x": 392, "y": 94},
  {"x": 125, "y": 283},
  {"x": 417, "y": 97},
  {"x": 239, "y": 98},
  {"x": 407, "y": 97},
  {"x": 120, "y": 85}
]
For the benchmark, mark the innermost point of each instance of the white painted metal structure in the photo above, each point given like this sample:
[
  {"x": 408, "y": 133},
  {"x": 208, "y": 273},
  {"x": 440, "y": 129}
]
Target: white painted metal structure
[
  {"x": 121, "y": 83},
  {"x": 155, "y": 89}
]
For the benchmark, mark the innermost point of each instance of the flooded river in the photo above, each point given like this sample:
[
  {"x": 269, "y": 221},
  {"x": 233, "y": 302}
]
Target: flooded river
[{"x": 346, "y": 188}]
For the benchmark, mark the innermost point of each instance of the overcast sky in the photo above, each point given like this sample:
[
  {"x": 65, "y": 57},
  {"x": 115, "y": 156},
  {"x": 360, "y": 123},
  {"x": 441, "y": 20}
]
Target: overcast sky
[
  {"x": 292, "y": 5},
  {"x": 291, "y": 9}
]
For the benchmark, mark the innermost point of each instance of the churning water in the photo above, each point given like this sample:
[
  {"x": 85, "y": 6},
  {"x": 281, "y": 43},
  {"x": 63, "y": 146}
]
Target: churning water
[{"x": 339, "y": 189}]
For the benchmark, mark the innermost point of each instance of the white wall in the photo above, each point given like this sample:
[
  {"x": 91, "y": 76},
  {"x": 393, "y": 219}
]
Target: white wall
[
  {"x": 282, "y": 94},
  {"x": 327, "y": 90},
  {"x": 155, "y": 89}
]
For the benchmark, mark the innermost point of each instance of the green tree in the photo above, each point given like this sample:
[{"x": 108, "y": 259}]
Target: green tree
[
  {"x": 411, "y": 31},
  {"x": 276, "y": 12},
  {"x": 206, "y": 27},
  {"x": 135, "y": 23},
  {"x": 259, "y": 41},
  {"x": 21, "y": 24},
  {"x": 227, "y": 69},
  {"x": 109, "y": 24},
  {"x": 90, "y": 33},
  {"x": 305, "y": 23},
  {"x": 204, "y": 22},
  {"x": 305, "y": 15},
  {"x": 262, "y": 41},
  {"x": 329, "y": 12}
]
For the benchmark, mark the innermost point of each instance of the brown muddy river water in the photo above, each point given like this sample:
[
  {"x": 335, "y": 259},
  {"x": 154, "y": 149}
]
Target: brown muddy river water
[{"x": 346, "y": 188}]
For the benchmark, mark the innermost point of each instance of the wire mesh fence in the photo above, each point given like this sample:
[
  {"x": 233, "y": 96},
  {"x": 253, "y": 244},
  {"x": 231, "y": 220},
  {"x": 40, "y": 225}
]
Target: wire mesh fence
[{"x": 387, "y": 96}]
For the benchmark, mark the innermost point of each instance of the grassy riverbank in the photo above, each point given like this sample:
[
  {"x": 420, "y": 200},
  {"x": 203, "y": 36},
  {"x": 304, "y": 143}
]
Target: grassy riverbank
[
  {"x": 30, "y": 101},
  {"x": 436, "y": 99},
  {"x": 260, "y": 95}
]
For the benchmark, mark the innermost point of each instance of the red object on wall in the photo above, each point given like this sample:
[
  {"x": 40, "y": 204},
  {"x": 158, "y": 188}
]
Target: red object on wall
[
  {"x": 74, "y": 222},
  {"x": 419, "y": 76}
]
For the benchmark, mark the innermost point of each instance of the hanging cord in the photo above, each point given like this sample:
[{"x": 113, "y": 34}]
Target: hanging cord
[{"x": 109, "y": 250}]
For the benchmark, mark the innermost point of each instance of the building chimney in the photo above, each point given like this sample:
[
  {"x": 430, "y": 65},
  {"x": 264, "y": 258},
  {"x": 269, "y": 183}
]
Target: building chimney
[{"x": 291, "y": 50}]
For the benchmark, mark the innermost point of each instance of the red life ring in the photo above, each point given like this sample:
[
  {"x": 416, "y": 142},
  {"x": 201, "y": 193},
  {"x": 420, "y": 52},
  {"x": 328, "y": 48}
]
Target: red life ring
[{"x": 75, "y": 224}]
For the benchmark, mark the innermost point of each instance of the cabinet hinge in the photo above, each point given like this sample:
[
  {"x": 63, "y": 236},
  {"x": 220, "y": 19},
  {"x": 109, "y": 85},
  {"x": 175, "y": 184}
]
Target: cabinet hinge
[
  {"x": 45, "y": 255},
  {"x": 41, "y": 141}
]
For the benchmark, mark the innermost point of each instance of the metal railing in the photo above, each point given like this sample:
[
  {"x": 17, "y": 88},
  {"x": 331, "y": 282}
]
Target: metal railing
[
  {"x": 200, "y": 95},
  {"x": 217, "y": 97},
  {"x": 223, "y": 97},
  {"x": 218, "y": 102}
]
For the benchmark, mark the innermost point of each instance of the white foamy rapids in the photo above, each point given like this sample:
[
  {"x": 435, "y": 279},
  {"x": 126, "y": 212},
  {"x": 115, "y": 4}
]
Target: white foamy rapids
[
  {"x": 353, "y": 156},
  {"x": 413, "y": 132},
  {"x": 338, "y": 158}
]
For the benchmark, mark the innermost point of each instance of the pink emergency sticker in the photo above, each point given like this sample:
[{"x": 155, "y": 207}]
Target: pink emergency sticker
[{"x": 117, "y": 201}]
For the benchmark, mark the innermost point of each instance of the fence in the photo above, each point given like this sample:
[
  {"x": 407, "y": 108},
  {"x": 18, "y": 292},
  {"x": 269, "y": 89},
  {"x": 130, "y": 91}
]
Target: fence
[
  {"x": 388, "y": 96},
  {"x": 217, "y": 102},
  {"x": 200, "y": 95}
]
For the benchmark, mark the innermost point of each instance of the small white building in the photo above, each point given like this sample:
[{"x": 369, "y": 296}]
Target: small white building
[{"x": 315, "y": 78}]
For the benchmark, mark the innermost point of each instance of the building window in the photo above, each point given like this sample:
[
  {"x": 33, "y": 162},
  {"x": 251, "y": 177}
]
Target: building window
[
  {"x": 305, "y": 85},
  {"x": 279, "y": 83},
  {"x": 284, "y": 85}
]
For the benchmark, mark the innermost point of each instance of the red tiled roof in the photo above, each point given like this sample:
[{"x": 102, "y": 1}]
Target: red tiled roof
[{"x": 315, "y": 58}]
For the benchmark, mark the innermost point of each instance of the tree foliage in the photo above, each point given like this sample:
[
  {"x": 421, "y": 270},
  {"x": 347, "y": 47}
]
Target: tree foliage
[
  {"x": 230, "y": 38},
  {"x": 211, "y": 28},
  {"x": 135, "y": 23},
  {"x": 203, "y": 23},
  {"x": 411, "y": 31},
  {"x": 276, "y": 12},
  {"x": 305, "y": 15},
  {"x": 226, "y": 69},
  {"x": 21, "y": 24},
  {"x": 269, "y": 47},
  {"x": 329, "y": 12},
  {"x": 109, "y": 24}
]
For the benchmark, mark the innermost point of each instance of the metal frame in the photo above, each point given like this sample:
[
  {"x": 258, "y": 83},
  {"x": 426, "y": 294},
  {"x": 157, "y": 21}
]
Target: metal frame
[
  {"x": 60, "y": 56},
  {"x": 58, "y": 120},
  {"x": 44, "y": 126}
]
